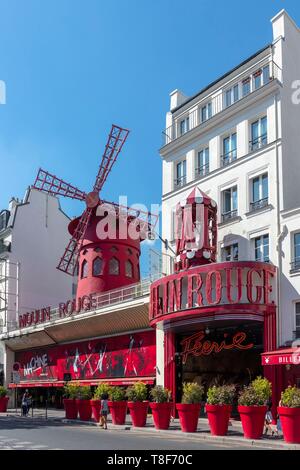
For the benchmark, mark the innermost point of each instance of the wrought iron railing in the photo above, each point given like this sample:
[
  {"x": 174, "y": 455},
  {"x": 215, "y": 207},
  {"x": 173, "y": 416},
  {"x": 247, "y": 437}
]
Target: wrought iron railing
[
  {"x": 229, "y": 215},
  {"x": 218, "y": 104},
  {"x": 228, "y": 157},
  {"x": 295, "y": 264},
  {"x": 255, "y": 205},
  {"x": 181, "y": 181},
  {"x": 202, "y": 170},
  {"x": 102, "y": 301},
  {"x": 258, "y": 142}
]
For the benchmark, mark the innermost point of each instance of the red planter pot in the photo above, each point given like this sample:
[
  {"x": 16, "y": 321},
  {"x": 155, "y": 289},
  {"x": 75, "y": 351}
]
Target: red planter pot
[
  {"x": 70, "y": 408},
  {"x": 218, "y": 418},
  {"x": 118, "y": 411},
  {"x": 3, "y": 404},
  {"x": 188, "y": 416},
  {"x": 138, "y": 412},
  {"x": 253, "y": 419},
  {"x": 161, "y": 414},
  {"x": 96, "y": 407},
  {"x": 84, "y": 409},
  {"x": 290, "y": 423}
]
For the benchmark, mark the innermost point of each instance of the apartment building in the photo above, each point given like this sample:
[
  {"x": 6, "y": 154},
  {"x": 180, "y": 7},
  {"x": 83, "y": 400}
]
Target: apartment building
[{"x": 238, "y": 141}]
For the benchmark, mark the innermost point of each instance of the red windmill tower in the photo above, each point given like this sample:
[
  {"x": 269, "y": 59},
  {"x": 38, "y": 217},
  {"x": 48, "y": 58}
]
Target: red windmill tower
[{"x": 110, "y": 260}]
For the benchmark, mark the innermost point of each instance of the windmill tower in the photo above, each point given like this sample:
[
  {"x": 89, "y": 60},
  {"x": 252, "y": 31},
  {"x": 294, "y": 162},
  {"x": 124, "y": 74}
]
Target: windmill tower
[{"x": 103, "y": 259}]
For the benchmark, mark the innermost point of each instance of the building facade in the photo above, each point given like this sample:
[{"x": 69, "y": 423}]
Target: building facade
[
  {"x": 236, "y": 140},
  {"x": 33, "y": 232}
]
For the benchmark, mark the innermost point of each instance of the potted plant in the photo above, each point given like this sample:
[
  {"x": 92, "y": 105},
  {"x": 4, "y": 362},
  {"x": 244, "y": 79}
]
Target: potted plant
[
  {"x": 161, "y": 407},
  {"x": 70, "y": 394},
  {"x": 117, "y": 405},
  {"x": 137, "y": 403},
  {"x": 252, "y": 407},
  {"x": 218, "y": 408},
  {"x": 96, "y": 400},
  {"x": 84, "y": 403},
  {"x": 289, "y": 414},
  {"x": 3, "y": 399},
  {"x": 189, "y": 408}
]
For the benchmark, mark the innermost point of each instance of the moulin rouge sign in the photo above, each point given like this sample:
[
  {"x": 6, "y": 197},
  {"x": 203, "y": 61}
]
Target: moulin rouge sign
[
  {"x": 65, "y": 309},
  {"x": 241, "y": 282}
]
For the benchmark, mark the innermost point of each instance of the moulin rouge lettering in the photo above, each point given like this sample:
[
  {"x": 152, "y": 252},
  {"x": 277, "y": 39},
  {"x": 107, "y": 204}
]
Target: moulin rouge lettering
[
  {"x": 195, "y": 346},
  {"x": 211, "y": 287},
  {"x": 65, "y": 309}
]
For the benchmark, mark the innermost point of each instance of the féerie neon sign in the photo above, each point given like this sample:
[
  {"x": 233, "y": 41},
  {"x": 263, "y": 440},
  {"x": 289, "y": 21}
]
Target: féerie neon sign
[{"x": 195, "y": 346}]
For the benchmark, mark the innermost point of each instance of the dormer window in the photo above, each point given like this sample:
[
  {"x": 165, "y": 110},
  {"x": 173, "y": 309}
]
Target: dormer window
[
  {"x": 84, "y": 269},
  {"x": 97, "y": 266},
  {"x": 128, "y": 269}
]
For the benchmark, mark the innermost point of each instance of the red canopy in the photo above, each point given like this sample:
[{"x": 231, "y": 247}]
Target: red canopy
[{"x": 281, "y": 356}]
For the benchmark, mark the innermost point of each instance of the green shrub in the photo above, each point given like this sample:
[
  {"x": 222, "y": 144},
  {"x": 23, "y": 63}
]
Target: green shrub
[
  {"x": 192, "y": 392},
  {"x": 84, "y": 393},
  {"x": 221, "y": 395},
  {"x": 100, "y": 390},
  {"x": 257, "y": 393},
  {"x": 160, "y": 394},
  {"x": 117, "y": 394},
  {"x": 137, "y": 392},
  {"x": 3, "y": 392},
  {"x": 71, "y": 390},
  {"x": 290, "y": 397}
]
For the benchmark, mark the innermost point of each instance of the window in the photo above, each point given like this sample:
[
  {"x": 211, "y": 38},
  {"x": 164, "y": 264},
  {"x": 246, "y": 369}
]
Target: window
[
  {"x": 257, "y": 76},
  {"x": 84, "y": 269},
  {"x": 296, "y": 260},
  {"x": 128, "y": 269},
  {"x": 246, "y": 86},
  {"x": 114, "y": 249},
  {"x": 231, "y": 96},
  {"x": 259, "y": 189},
  {"x": 202, "y": 167},
  {"x": 229, "y": 202},
  {"x": 129, "y": 251},
  {"x": 230, "y": 253},
  {"x": 261, "y": 245},
  {"x": 266, "y": 74},
  {"x": 206, "y": 112},
  {"x": 98, "y": 249},
  {"x": 180, "y": 173},
  {"x": 184, "y": 125},
  {"x": 297, "y": 312},
  {"x": 259, "y": 133},
  {"x": 114, "y": 266},
  {"x": 97, "y": 266},
  {"x": 229, "y": 149}
]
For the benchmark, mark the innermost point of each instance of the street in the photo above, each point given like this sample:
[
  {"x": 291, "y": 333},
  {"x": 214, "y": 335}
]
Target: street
[{"x": 18, "y": 433}]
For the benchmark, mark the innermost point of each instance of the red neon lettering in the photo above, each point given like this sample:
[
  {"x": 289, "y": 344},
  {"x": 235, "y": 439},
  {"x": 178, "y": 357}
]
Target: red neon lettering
[
  {"x": 209, "y": 287},
  {"x": 229, "y": 285},
  {"x": 250, "y": 287},
  {"x": 194, "y": 290}
]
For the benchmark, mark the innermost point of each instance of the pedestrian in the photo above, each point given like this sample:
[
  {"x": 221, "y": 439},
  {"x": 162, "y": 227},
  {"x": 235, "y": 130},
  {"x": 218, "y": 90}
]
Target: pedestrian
[
  {"x": 29, "y": 402},
  {"x": 24, "y": 403},
  {"x": 104, "y": 411}
]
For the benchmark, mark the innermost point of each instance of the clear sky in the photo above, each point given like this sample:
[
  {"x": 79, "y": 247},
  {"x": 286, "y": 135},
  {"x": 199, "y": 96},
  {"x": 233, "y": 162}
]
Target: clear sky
[{"x": 72, "y": 68}]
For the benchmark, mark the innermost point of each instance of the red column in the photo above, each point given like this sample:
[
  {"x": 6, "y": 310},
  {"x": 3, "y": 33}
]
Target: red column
[
  {"x": 170, "y": 365},
  {"x": 269, "y": 345}
]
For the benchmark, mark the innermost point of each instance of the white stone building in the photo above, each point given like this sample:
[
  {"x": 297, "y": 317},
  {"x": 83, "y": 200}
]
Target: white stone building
[
  {"x": 33, "y": 236},
  {"x": 238, "y": 140}
]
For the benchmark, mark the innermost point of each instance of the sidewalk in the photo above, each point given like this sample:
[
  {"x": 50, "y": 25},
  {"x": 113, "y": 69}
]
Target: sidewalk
[{"x": 234, "y": 437}]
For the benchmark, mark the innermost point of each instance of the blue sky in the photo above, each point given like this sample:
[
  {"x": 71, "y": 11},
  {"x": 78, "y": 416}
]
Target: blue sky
[{"x": 73, "y": 68}]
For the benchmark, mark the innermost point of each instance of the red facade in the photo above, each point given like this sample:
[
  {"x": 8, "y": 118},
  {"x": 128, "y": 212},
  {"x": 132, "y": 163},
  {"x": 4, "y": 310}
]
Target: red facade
[{"x": 131, "y": 355}]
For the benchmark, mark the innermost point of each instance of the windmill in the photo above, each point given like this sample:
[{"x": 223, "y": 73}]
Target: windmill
[{"x": 101, "y": 264}]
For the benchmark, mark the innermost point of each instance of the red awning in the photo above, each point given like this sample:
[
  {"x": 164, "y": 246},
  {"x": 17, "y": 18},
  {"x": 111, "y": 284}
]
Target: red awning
[
  {"x": 36, "y": 384},
  {"x": 281, "y": 356}
]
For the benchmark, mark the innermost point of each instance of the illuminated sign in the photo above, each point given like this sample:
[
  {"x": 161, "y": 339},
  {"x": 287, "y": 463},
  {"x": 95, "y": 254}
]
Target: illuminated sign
[{"x": 197, "y": 345}]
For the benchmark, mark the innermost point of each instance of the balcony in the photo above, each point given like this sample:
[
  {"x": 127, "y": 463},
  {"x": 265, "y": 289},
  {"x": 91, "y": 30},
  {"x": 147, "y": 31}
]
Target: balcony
[
  {"x": 179, "y": 182},
  {"x": 258, "y": 142},
  {"x": 228, "y": 157},
  {"x": 260, "y": 204},
  {"x": 229, "y": 215},
  {"x": 202, "y": 170},
  {"x": 217, "y": 104},
  {"x": 295, "y": 265},
  {"x": 5, "y": 247}
]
